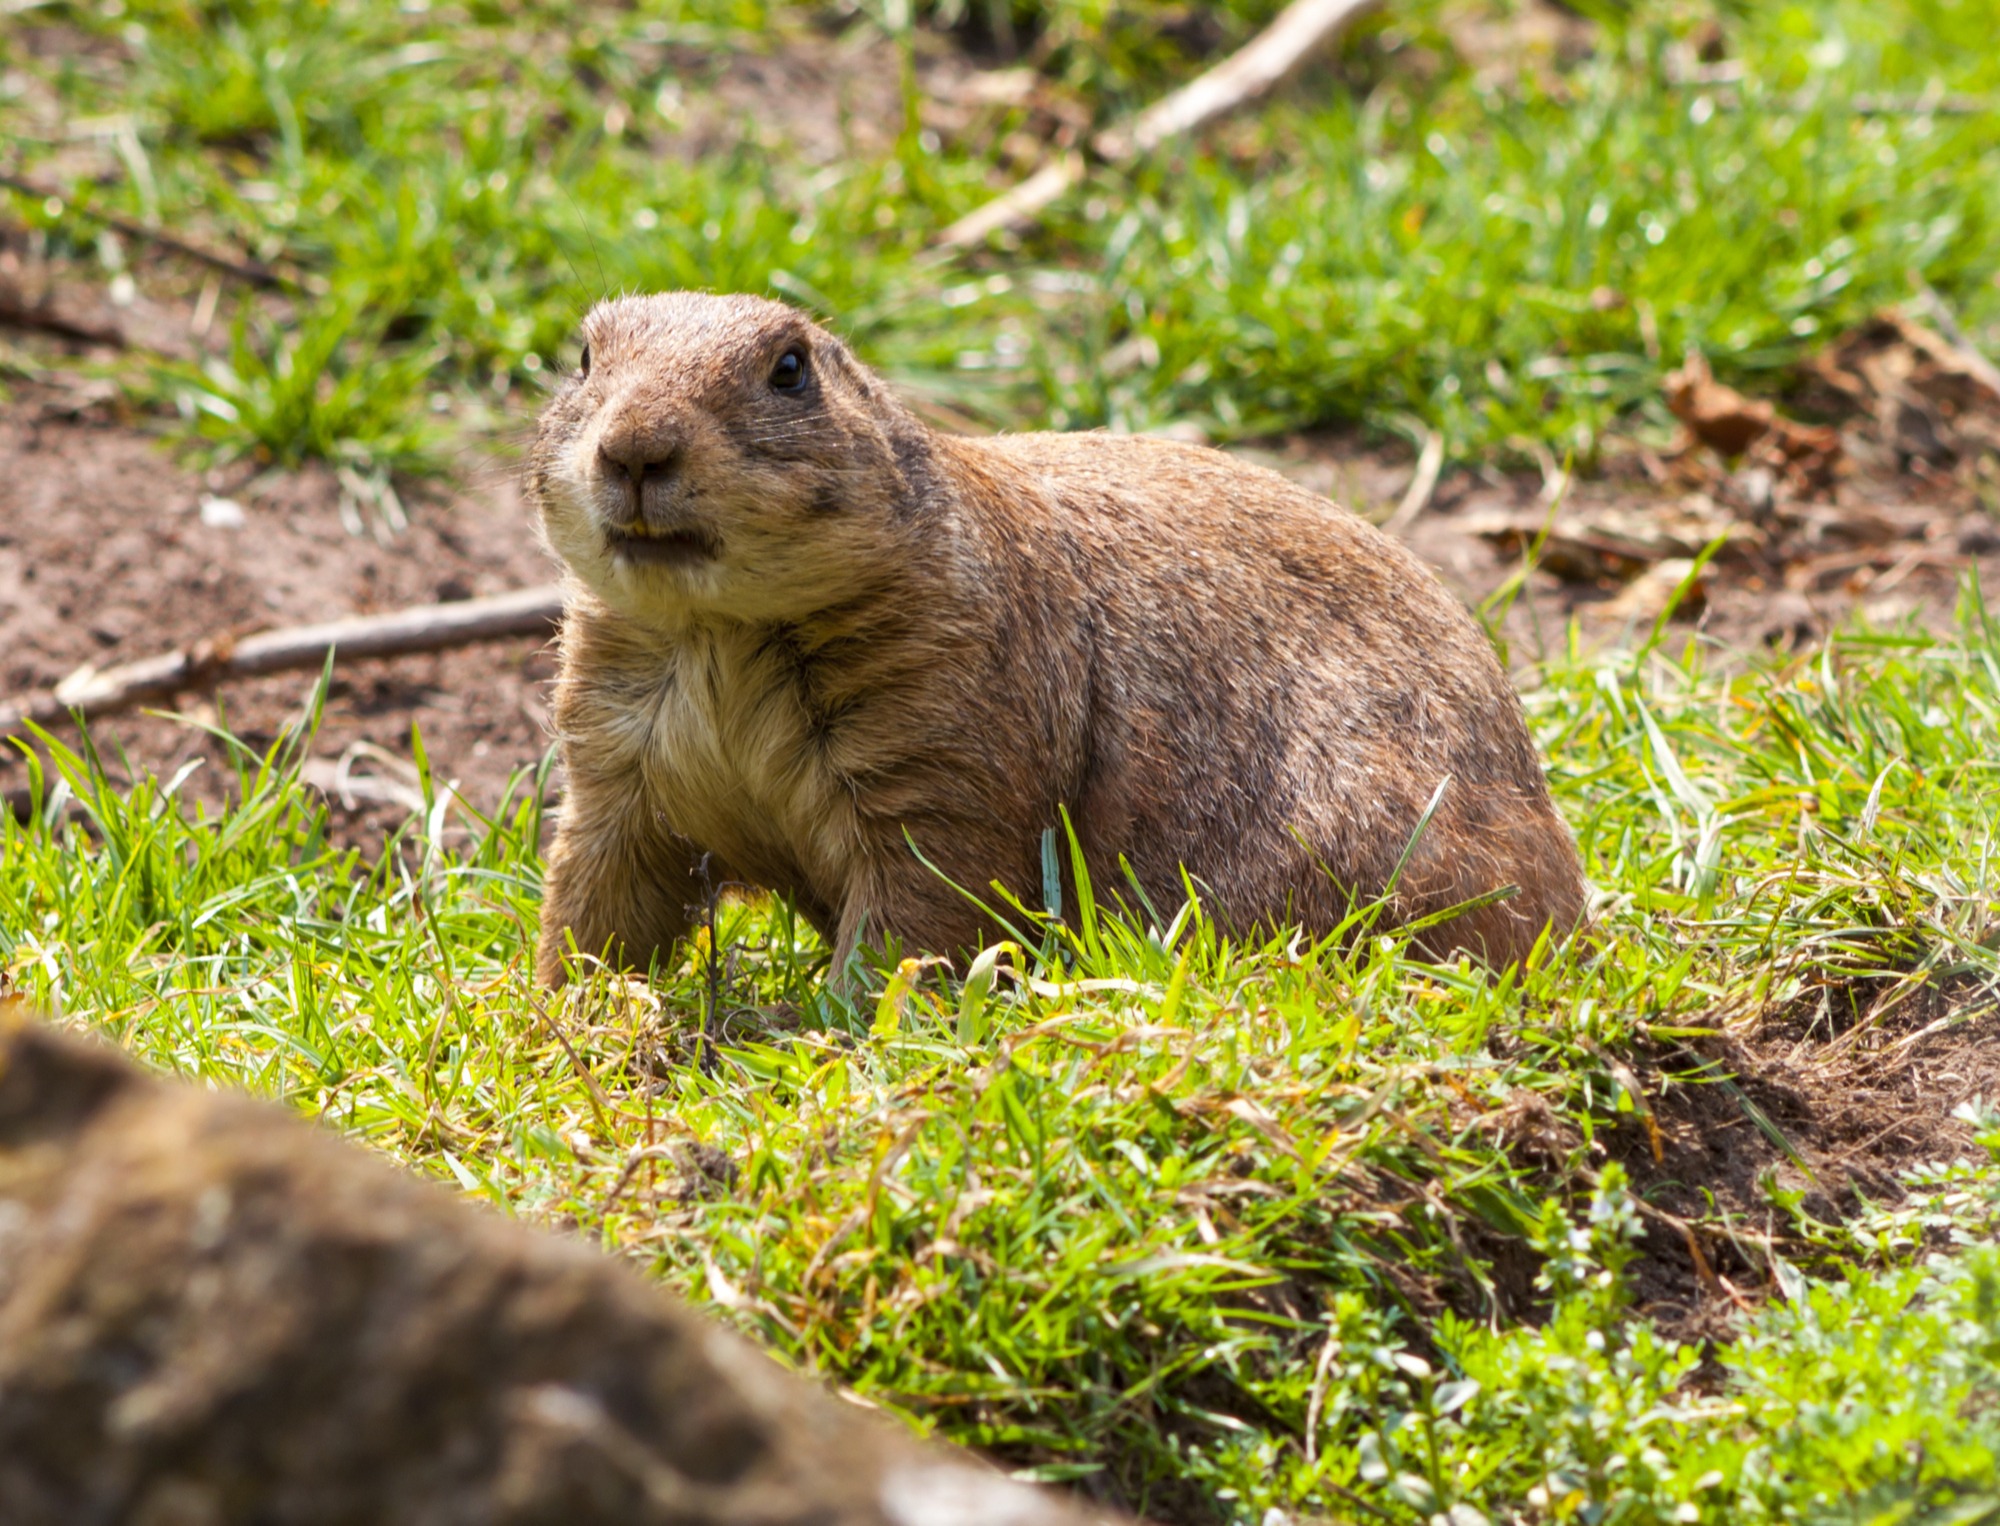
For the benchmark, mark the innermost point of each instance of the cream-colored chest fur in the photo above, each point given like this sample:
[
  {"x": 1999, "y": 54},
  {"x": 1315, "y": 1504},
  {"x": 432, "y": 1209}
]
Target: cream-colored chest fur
[{"x": 728, "y": 756}]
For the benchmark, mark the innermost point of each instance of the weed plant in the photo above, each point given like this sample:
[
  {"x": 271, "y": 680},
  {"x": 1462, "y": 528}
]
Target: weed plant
[{"x": 1240, "y": 1231}]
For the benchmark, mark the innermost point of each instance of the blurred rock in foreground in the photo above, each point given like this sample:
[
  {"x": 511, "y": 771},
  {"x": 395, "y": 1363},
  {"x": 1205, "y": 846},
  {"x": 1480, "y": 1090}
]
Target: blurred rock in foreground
[{"x": 211, "y": 1312}]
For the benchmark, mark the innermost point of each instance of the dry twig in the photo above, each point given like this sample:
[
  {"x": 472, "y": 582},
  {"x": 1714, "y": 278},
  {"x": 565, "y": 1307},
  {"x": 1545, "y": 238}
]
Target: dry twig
[
  {"x": 425, "y": 628},
  {"x": 1423, "y": 483},
  {"x": 253, "y": 271},
  {"x": 1270, "y": 58}
]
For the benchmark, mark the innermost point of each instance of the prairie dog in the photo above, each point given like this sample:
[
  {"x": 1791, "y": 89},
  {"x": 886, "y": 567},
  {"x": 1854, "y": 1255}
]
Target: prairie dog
[{"x": 806, "y": 632}]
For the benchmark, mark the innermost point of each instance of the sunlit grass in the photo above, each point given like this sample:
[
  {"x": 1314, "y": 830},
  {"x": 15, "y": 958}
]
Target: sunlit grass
[
  {"x": 1224, "y": 1227},
  {"x": 1216, "y": 1229},
  {"x": 1402, "y": 242}
]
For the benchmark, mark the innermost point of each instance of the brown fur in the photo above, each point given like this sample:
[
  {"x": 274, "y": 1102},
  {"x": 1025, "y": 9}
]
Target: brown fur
[{"x": 874, "y": 629}]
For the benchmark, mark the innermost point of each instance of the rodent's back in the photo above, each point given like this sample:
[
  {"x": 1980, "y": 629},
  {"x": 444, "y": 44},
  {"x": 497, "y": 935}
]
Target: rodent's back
[{"x": 1275, "y": 681}]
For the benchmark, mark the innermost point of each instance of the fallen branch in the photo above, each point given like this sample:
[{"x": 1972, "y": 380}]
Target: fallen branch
[
  {"x": 1270, "y": 58},
  {"x": 425, "y": 628},
  {"x": 252, "y": 271},
  {"x": 1018, "y": 207},
  {"x": 20, "y": 314},
  {"x": 1423, "y": 483}
]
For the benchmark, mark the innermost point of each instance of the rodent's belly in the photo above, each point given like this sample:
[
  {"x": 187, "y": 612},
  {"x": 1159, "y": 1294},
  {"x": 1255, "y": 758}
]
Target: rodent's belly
[{"x": 742, "y": 779}]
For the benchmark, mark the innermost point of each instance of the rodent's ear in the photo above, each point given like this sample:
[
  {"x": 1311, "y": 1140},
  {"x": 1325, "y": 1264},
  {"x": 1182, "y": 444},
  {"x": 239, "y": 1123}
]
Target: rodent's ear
[{"x": 837, "y": 357}]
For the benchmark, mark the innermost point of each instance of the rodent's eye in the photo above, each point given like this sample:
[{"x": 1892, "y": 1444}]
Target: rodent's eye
[
  {"x": 583, "y": 361},
  {"x": 789, "y": 374}
]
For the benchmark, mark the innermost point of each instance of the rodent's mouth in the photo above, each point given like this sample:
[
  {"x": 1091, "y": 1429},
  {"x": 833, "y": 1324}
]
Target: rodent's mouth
[{"x": 660, "y": 548}]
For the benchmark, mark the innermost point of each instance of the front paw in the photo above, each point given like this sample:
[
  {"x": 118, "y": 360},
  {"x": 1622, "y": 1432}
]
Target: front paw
[{"x": 551, "y": 961}]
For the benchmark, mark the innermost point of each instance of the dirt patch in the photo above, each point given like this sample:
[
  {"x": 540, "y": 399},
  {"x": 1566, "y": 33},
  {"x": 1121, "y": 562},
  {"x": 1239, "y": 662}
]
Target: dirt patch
[
  {"x": 1758, "y": 1140},
  {"x": 1891, "y": 540},
  {"x": 1798, "y": 1120},
  {"x": 111, "y": 552},
  {"x": 1871, "y": 486}
]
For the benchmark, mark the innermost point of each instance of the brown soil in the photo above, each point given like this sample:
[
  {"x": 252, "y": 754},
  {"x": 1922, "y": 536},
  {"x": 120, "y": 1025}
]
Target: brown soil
[
  {"x": 1757, "y": 1140},
  {"x": 105, "y": 556},
  {"x": 1831, "y": 1112},
  {"x": 1887, "y": 546}
]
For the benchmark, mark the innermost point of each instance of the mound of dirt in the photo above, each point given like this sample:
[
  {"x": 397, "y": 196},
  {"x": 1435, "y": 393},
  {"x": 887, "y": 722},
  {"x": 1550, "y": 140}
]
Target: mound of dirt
[
  {"x": 210, "y": 1313},
  {"x": 1812, "y": 1106}
]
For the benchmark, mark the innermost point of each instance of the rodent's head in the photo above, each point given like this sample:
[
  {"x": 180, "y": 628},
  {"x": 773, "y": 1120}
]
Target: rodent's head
[{"x": 720, "y": 456}]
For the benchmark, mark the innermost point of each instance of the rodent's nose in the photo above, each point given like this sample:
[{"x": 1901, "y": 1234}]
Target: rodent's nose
[
  {"x": 640, "y": 459},
  {"x": 643, "y": 460}
]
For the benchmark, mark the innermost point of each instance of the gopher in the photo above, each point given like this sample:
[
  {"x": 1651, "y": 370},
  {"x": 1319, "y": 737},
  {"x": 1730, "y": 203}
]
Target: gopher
[{"x": 815, "y": 646}]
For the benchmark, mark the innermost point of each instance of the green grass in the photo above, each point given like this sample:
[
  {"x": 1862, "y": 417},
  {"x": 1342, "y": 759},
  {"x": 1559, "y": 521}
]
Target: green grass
[
  {"x": 1404, "y": 243},
  {"x": 1518, "y": 271},
  {"x": 1218, "y": 1228}
]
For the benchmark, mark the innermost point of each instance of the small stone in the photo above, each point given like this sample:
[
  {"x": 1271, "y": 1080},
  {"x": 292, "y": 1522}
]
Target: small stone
[
  {"x": 222, "y": 513},
  {"x": 1978, "y": 537}
]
